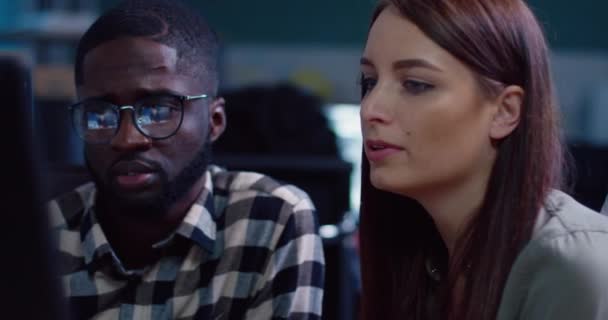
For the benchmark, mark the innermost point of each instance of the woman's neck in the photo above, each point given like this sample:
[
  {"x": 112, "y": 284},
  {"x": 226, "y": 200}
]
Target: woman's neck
[{"x": 452, "y": 206}]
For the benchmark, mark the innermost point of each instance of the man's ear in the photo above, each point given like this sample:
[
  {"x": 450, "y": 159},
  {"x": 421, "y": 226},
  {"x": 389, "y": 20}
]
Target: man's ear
[
  {"x": 509, "y": 108},
  {"x": 217, "y": 118}
]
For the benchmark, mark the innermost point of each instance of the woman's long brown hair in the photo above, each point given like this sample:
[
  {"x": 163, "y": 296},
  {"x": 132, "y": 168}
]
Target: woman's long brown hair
[{"x": 501, "y": 42}]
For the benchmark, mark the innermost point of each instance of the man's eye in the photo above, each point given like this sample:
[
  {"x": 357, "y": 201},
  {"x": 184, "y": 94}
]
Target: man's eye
[
  {"x": 416, "y": 87},
  {"x": 155, "y": 114},
  {"x": 101, "y": 120},
  {"x": 162, "y": 113}
]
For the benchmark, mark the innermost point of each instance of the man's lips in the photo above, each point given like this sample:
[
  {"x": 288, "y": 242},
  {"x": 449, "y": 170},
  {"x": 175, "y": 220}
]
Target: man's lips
[
  {"x": 133, "y": 167},
  {"x": 137, "y": 181},
  {"x": 133, "y": 175},
  {"x": 377, "y": 150}
]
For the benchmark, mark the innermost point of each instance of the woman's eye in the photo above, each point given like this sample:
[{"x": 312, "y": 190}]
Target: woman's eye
[
  {"x": 367, "y": 84},
  {"x": 417, "y": 87}
]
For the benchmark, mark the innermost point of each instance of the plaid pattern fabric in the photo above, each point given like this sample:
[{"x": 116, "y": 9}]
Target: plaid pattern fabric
[{"x": 247, "y": 249}]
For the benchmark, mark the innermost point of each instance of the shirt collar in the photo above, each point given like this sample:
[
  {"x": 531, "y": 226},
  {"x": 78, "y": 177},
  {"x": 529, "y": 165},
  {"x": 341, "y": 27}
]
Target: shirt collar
[
  {"x": 199, "y": 226},
  {"x": 95, "y": 245}
]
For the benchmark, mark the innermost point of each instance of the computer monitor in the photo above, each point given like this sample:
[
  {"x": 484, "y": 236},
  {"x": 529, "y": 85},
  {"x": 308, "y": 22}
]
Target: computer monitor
[{"x": 30, "y": 287}]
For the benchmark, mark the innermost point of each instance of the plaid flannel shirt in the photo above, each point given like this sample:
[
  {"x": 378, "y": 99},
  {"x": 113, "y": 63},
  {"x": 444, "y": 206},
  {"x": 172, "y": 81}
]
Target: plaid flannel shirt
[{"x": 247, "y": 249}]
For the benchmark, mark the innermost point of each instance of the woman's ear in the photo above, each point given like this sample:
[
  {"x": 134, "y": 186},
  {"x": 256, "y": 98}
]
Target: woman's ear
[
  {"x": 217, "y": 118},
  {"x": 509, "y": 108}
]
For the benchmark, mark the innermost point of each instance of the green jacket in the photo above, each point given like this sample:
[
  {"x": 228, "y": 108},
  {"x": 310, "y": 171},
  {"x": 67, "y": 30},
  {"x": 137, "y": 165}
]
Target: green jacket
[{"x": 562, "y": 273}]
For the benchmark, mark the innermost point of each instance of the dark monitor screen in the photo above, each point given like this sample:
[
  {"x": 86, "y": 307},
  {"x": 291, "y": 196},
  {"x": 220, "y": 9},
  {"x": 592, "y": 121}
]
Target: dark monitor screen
[
  {"x": 325, "y": 179},
  {"x": 30, "y": 288}
]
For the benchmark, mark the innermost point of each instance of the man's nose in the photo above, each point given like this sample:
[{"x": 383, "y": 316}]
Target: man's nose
[{"x": 128, "y": 137}]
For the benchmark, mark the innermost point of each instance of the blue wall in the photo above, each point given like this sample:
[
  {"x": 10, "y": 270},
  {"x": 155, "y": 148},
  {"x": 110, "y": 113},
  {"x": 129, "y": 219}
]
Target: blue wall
[
  {"x": 8, "y": 13},
  {"x": 570, "y": 25},
  {"x": 574, "y": 24}
]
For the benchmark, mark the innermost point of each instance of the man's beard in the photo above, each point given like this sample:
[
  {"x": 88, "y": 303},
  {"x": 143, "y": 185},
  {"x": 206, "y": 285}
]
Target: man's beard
[{"x": 171, "y": 190}]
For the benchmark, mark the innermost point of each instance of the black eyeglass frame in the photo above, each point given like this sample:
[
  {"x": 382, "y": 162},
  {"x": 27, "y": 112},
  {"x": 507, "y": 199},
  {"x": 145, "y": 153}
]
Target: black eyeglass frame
[{"x": 182, "y": 99}]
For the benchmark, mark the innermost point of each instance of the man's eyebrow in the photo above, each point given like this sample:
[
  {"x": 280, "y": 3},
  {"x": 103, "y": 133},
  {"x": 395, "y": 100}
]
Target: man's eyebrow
[
  {"x": 140, "y": 93},
  {"x": 105, "y": 97},
  {"x": 157, "y": 92}
]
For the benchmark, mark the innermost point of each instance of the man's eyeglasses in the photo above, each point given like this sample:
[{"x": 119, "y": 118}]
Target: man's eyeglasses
[{"x": 157, "y": 117}]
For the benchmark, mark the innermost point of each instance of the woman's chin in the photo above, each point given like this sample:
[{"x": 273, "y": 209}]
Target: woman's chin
[
  {"x": 384, "y": 181},
  {"x": 394, "y": 183}
]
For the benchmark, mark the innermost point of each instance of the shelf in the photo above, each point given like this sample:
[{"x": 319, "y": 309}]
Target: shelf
[{"x": 51, "y": 26}]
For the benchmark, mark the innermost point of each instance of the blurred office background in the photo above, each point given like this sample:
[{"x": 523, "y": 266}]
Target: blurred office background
[{"x": 289, "y": 72}]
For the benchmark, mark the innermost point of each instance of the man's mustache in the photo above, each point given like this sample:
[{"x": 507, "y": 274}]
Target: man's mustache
[{"x": 133, "y": 163}]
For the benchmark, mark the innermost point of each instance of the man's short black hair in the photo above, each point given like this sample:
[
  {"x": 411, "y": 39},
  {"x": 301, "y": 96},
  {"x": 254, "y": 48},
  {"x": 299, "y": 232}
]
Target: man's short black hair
[{"x": 165, "y": 21}]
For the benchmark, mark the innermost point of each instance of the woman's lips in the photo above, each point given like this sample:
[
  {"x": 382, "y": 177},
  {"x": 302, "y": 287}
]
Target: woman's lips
[{"x": 378, "y": 150}]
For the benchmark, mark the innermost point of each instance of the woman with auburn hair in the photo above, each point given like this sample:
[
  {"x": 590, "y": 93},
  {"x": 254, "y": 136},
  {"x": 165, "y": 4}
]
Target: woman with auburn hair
[{"x": 461, "y": 216}]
